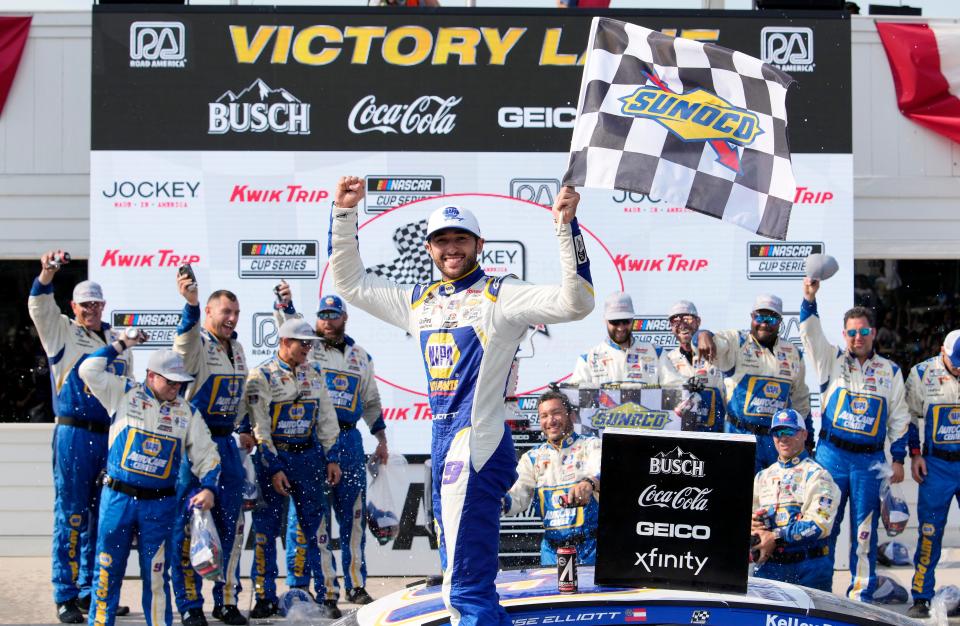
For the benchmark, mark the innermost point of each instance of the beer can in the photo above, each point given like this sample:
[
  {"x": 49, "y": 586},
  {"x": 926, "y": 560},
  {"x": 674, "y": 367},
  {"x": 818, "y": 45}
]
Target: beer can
[{"x": 567, "y": 569}]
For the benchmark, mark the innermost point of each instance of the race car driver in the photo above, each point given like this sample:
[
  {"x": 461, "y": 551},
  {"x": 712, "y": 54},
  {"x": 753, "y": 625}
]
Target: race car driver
[
  {"x": 214, "y": 357},
  {"x": 80, "y": 437},
  {"x": 933, "y": 394},
  {"x": 469, "y": 326},
  {"x": 621, "y": 357},
  {"x": 764, "y": 374},
  {"x": 151, "y": 429},
  {"x": 348, "y": 370},
  {"x": 291, "y": 412},
  {"x": 794, "y": 506},
  {"x": 564, "y": 475},
  {"x": 684, "y": 366},
  {"x": 863, "y": 400}
]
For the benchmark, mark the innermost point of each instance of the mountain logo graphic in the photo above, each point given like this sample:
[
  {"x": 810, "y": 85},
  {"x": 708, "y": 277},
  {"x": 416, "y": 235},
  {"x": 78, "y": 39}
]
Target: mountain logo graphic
[
  {"x": 259, "y": 108},
  {"x": 676, "y": 461}
]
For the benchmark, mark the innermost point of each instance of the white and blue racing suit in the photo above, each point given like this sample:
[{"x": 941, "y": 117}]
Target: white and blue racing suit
[
  {"x": 292, "y": 418},
  {"x": 933, "y": 394},
  {"x": 217, "y": 393},
  {"x": 469, "y": 330},
  {"x": 678, "y": 367},
  {"x": 863, "y": 405},
  {"x": 799, "y": 501},
  {"x": 353, "y": 389},
  {"x": 548, "y": 472},
  {"x": 759, "y": 382},
  {"x": 608, "y": 363},
  {"x": 148, "y": 439},
  {"x": 79, "y": 440}
]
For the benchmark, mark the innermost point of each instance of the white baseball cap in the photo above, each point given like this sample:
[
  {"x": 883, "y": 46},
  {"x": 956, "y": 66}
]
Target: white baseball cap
[
  {"x": 618, "y": 306},
  {"x": 683, "y": 307},
  {"x": 452, "y": 216},
  {"x": 297, "y": 328},
  {"x": 87, "y": 291},
  {"x": 768, "y": 302},
  {"x": 951, "y": 344},
  {"x": 170, "y": 365}
]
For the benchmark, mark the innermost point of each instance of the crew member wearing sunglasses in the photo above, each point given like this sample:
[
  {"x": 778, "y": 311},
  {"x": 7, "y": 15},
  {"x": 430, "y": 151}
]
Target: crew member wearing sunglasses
[
  {"x": 618, "y": 358},
  {"x": 765, "y": 374},
  {"x": 864, "y": 409},
  {"x": 794, "y": 506}
]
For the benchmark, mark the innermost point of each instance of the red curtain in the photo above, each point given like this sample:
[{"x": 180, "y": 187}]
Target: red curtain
[{"x": 13, "y": 37}]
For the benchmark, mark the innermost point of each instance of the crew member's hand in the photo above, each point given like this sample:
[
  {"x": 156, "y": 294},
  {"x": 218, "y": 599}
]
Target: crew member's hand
[
  {"x": 810, "y": 288},
  {"x": 897, "y": 473},
  {"x": 280, "y": 483},
  {"x": 757, "y": 525},
  {"x": 284, "y": 292},
  {"x": 580, "y": 494},
  {"x": 183, "y": 286},
  {"x": 380, "y": 454},
  {"x": 247, "y": 442},
  {"x": 129, "y": 342},
  {"x": 204, "y": 500},
  {"x": 46, "y": 270},
  {"x": 768, "y": 542},
  {"x": 705, "y": 346},
  {"x": 565, "y": 206},
  {"x": 349, "y": 192},
  {"x": 918, "y": 468},
  {"x": 333, "y": 474}
]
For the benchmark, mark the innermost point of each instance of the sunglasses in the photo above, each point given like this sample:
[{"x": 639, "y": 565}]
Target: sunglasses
[
  {"x": 329, "y": 315},
  {"x": 676, "y": 320},
  {"x": 863, "y": 332},
  {"x": 785, "y": 432},
  {"x": 619, "y": 322},
  {"x": 771, "y": 320},
  {"x": 90, "y": 306}
]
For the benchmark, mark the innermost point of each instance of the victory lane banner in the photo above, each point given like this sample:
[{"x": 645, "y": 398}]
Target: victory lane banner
[{"x": 659, "y": 522}]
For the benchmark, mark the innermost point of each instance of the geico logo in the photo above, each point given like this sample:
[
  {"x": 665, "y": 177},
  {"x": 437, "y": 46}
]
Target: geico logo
[
  {"x": 426, "y": 115},
  {"x": 152, "y": 189},
  {"x": 694, "y": 116},
  {"x": 677, "y": 531},
  {"x": 536, "y": 117}
]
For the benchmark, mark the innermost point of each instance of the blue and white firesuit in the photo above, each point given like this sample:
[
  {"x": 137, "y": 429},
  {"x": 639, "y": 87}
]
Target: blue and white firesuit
[
  {"x": 799, "y": 501},
  {"x": 759, "y": 382},
  {"x": 353, "y": 389},
  {"x": 468, "y": 330},
  {"x": 292, "y": 418},
  {"x": 548, "y": 472},
  {"x": 608, "y": 363},
  {"x": 79, "y": 440},
  {"x": 217, "y": 393},
  {"x": 862, "y": 406},
  {"x": 933, "y": 394},
  {"x": 678, "y": 367},
  {"x": 148, "y": 439}
]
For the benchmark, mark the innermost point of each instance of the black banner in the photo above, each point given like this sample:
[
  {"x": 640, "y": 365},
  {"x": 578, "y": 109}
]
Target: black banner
[
  {"x": 472, "y": 81},
  {"x": 675, "y": 510}
]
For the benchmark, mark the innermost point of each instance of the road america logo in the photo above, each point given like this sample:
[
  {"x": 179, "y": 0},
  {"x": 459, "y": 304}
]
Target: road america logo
[
  {"x": 787, "y": 48},
  {"x": 158, "y": 45},
  {"x": 259, "y": 108}
]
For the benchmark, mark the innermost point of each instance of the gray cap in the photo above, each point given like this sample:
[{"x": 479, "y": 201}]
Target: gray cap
[
  {"x": 170, "y": 365},
  {"x": 683, "y": 307},
  {"x": 87, "y": 291},
  {"x": 821, "y": 266},
  {"x": 768, "y": 302},
  {"x": 618, "y": 306},
  {"x": 297, "y": 328}
]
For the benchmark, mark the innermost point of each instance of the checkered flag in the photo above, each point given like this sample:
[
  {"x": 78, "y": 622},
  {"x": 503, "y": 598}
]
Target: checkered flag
[
  {"x": 692, "y": 123},
  {"x": 413, "y": 264},
  {"x": 699, "y": 617}
]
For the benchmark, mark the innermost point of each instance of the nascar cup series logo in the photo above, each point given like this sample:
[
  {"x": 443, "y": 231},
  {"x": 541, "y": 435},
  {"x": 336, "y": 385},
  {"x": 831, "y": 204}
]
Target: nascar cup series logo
[
  {"x": 766, "y": 261},
  {"x": 160, "y": 326},
  {"x": 696, "y": 115},
  {"x": 654, "y": 329},
  {"x": 278, "y": 259},
  {"x": 387, "y": 192},
  {"x": 441, "y": 354}
]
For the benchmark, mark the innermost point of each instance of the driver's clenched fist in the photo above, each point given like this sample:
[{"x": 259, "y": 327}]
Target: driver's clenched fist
[{"x": 349, "y": 192}]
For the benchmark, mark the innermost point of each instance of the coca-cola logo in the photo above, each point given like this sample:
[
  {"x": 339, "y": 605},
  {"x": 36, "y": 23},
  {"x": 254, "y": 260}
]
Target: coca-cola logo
[
  {"x": 686, "y": 499},
  {"x": 430, "y": 115}
]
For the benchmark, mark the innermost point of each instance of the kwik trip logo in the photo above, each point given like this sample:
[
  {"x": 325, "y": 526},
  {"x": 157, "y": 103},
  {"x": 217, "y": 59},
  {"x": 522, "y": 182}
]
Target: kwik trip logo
[
  {"x": 677, "y": 462},
  {"x": 427, "y": 115},
  {"x": 160, "y": 326},
  {"x": 787, "y": 48},
  {"x": 387, "y": 192},
  {"x": 158, "y": 45},
  {"x": 780, "y": 260},
  {"x": 696, "y": 115},
  {"x": 279, "y": 259},
  {"x": 258, "y": 109}
]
